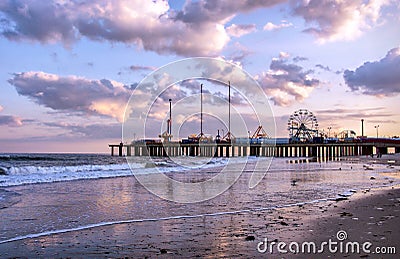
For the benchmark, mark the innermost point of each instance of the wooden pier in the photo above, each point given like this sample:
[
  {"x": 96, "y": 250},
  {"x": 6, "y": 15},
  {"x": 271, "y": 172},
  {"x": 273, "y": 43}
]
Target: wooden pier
[{"x": 322, "y": 150}]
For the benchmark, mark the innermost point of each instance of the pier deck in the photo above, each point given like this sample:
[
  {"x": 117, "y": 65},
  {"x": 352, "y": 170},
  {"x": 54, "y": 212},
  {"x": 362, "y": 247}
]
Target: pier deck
[{"x": 327, "y": 150}]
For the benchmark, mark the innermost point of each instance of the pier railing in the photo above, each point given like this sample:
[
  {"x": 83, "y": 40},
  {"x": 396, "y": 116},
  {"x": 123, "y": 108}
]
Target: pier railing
[{"x": 328, "y": 150}]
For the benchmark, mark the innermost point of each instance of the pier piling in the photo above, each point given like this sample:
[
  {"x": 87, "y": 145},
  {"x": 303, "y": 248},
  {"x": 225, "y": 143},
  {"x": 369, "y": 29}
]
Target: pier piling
[{"x": 328, "y": 151}]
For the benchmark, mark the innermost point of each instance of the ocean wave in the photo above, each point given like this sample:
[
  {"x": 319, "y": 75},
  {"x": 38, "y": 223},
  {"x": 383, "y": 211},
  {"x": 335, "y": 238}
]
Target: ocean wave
[
  {"x": 62, "y": 169},
  {"x": 33, "y": 174},
  {"x": 14, "y": 176}
]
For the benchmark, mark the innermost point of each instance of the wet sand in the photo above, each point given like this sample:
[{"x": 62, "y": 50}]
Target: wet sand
[
  {"x": 369, "y": 215},
  {"x": 372, "y": 215}
]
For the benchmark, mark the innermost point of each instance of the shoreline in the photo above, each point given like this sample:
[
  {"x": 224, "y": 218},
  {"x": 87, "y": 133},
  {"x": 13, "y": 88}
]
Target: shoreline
[
  {"x": 124, "y": 220},
  {"x": 231, "y": 234},
  {"x": 390, "y": 160}
]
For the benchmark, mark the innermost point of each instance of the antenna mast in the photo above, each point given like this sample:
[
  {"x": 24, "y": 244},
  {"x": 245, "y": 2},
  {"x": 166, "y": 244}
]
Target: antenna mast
[
  {"x": 170, "y": 119},
  {"x": 229, "y": 115},
  {"x": 201, "y": 110},
  {"x": 228, "y": 135}
]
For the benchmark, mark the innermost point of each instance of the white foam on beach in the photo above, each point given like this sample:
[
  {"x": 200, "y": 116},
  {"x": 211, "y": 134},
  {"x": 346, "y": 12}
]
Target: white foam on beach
[
  {"x": 15, "y": 176},
  {"x": 32, "y": 174},
  {"x": 177, "y": 217},
  {"x": 101, "y": 171}
]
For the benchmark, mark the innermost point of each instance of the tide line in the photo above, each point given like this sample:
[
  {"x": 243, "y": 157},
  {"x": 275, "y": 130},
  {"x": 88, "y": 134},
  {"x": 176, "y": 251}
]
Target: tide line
[{"x": 110, "y": 223}]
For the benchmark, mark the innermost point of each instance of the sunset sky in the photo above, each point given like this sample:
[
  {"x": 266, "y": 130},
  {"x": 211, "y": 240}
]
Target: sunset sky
[{"x": 68, "y": 68}]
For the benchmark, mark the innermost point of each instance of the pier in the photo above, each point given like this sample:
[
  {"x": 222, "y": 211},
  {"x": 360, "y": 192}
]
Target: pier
[
  {"x": 320, "y": 150},
  {"x": 305, "y": 140}
]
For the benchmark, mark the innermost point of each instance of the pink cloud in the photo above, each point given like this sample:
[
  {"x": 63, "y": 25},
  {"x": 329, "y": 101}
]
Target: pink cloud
[{"x": 72, "y": 93}]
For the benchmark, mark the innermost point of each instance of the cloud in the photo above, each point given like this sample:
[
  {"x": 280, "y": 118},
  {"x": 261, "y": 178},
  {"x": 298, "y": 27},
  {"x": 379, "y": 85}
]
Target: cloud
[
  {"x": 326, "y": 68},
  {"x": 90, "y": 131},
  {"x": 139, "y": 67},
  {"x": 236, "y": 99},
  {"x": 380, "y": 78},
  {"x": 338, "y": 118},
  {"x": 174, "y": 92},
  {"x": 241, "y": 29},
  {"x": 283, "y": 55},
  {"x": 339, "y": 19},
  {"x": 298, "y": 59},
  {"x": 147, "y": 24},
  {"x": 44, "y": 21},
  {"x": 204, "y": 11},
  {"x": 8, "y": 120},
  {"x": 272, "y": 27},
  {"x": 353, "y": 113},
  {"x": 72, "y": 93},
  {"x": 286, "y": 82},
  {"x": 197, "y": 29},
  {"x": 238, "y": 55}
]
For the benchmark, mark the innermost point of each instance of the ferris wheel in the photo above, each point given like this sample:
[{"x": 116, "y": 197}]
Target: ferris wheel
[{"x": 302, "y": 126}]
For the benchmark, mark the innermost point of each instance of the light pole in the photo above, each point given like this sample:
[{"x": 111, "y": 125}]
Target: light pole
[
  {"x": 376, "y": 127},
  {"x": 329, "y": 132}
]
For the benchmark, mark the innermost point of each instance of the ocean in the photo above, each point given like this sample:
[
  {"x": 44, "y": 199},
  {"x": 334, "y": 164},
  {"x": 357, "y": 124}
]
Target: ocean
[
  {"x": 47, "y": 194},
  {"x": 20, "y": 169}
]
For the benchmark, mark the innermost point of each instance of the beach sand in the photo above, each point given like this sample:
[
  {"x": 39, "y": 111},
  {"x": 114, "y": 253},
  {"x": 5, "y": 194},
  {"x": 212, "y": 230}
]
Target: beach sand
[
  {"x": 369, "y": 215},
  {"x": 372, "y": 215}
]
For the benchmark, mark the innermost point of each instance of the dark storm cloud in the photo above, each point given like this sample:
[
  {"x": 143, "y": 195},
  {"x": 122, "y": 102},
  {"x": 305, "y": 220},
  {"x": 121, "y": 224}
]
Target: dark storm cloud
[{"x": 377, "y": 78}]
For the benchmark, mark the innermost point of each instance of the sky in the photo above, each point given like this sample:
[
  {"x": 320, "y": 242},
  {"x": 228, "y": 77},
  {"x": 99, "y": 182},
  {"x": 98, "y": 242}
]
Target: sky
[{"x": 69, "y": 68}]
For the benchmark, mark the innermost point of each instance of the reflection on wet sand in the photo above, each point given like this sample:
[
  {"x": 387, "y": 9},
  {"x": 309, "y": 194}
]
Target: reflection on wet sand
[{"x": 131, "y": 220}]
